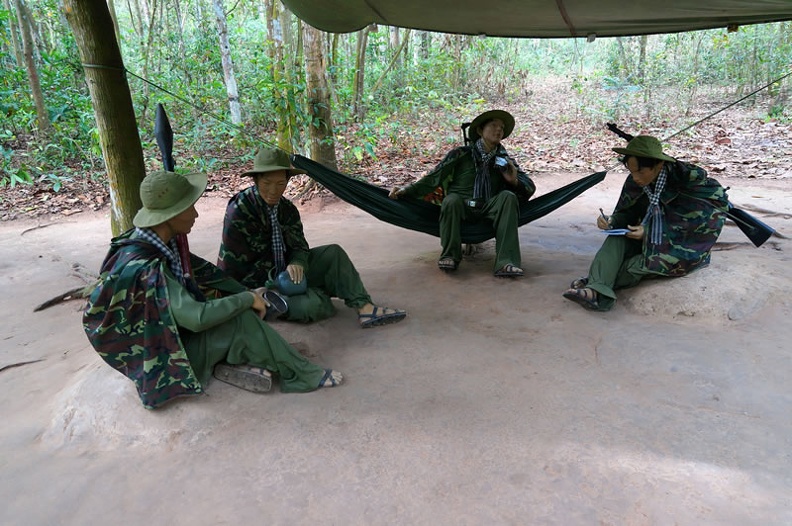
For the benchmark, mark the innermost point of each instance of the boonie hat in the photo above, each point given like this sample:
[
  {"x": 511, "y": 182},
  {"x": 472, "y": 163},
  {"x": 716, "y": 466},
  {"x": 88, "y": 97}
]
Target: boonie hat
[
  {"x": 271, "y": 160},
  {"x": 645, "y": 146},
  {"x": 166, "y": 195},
  {"x": 504, "y": 116}
]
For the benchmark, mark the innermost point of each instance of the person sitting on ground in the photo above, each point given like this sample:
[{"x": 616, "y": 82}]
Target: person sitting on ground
[
  {"x": 263, "y": 237},
  {"x": 149, "y": 316},
  {"x": 673, "y": 214},
  {"x": 478, "y": 182}
]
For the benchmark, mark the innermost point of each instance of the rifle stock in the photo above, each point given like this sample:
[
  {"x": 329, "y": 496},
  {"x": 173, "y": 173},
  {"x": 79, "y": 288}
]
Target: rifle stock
[
  {"x": 164, "y": 135},
  {"x": 757, "y": 231}
]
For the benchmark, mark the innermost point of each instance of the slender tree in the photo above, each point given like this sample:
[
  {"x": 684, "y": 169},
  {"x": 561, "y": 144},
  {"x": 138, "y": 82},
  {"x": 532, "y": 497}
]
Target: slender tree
[
  {"x": 15, "y": 38},
  {"x": 25, "y": 24},
  {"x": 115, "y": 116},
  {"x": 228, "y": 63},
  {"x": 360, "y": 73}
]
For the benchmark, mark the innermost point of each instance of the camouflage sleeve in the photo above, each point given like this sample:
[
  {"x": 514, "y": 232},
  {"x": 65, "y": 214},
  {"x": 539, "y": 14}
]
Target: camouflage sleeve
[
  {"x": 428, "y": 183},
  {"x": 212, "y": 277},
  {"x": 246, "y": 252}
]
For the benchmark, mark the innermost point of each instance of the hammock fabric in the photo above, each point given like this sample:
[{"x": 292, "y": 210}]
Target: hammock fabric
[{"x": 422, "y": 216}]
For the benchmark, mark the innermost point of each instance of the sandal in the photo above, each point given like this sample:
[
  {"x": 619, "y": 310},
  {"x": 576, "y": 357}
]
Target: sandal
[
  {"x": 247, "y": 377},
  {"x": 381, "y": 316},
  {"x": 579, "y": 283},
  {"x": 447, "y": 264},
  {"x": 585, "y": 297},
  {"x": 509, "y": 271},
  {"x": 330, "y": 378}
]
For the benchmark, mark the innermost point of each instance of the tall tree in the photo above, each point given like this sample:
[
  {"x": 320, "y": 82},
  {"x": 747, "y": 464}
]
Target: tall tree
[
  {"x": 360, "y": 73},
  {"x": 321, "y": 128},
  {"x": 15, "y": 38},
  {"x": 228, "y": 63},
  {"x": 115, "y": 116},
  {"x": 283, "y": 91},
  {"x": 25, "y": 23}
]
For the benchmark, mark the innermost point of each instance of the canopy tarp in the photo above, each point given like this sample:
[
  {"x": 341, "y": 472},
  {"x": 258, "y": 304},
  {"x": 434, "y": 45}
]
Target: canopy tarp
[{"x": 540, "y": 18}]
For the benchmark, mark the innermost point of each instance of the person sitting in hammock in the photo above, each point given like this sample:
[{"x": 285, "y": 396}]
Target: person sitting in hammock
[
  {"x": 478, "y": 182},
  {"x": 150, "y": 318},
  {"x": 263, "y": 237},
  {"x": 673, "y": 214}
]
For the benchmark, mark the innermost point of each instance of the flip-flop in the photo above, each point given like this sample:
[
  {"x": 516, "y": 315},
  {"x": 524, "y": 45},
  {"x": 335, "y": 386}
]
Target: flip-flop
[
  {"x": 581, "y": 297},
  {"x": 509, "y": 271},
  {"x": 381, "y": 316}
]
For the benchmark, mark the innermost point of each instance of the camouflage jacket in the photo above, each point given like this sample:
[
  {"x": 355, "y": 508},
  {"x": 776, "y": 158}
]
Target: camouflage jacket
[
  {"x": 246, "y": 252},
  {"x": 129, "y": 322},
  {"x": 694, "y": 208},
  {"x": 435, "y": 185}
]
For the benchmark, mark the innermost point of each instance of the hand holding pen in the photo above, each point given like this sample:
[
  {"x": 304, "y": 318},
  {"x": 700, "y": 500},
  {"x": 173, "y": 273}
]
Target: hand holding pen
[{"x": 603, "y": 221}]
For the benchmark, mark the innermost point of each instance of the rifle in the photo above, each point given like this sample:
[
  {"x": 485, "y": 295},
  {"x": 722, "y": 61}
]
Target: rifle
[
  {"x": 757, "y": 231},
  {"x": 164, "y": 135}
]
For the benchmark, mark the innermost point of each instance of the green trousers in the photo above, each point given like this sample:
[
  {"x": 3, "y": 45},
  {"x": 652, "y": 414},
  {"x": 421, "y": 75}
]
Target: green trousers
[
  {"x": 330, "y": 274},
  {"x": 245, "y": 339},
  {"x": 502, "y": 210},
  {"x": 617, "y": 265}
]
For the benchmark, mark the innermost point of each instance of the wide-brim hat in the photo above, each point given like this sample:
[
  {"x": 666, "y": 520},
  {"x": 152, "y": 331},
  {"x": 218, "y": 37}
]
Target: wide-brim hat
[
  {"x": 504, "y": 116},
  {"x": 645, "y": 146},
  {"x": 166, "y": 195},
  {"x": 272, "y": 160}
]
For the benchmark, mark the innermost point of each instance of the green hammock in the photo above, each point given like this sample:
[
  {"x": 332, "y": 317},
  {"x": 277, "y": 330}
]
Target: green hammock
[{"x": 422, "y": 216}]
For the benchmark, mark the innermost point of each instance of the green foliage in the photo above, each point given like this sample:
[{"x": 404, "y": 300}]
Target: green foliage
[{"x": 610, "y": 78}]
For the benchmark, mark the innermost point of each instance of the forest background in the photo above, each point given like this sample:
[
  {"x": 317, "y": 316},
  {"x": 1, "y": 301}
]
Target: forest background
[{"x": 383, "y": 103}]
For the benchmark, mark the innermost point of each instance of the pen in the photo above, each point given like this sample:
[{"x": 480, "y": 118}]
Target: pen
[{"x": 602, "y": 213}]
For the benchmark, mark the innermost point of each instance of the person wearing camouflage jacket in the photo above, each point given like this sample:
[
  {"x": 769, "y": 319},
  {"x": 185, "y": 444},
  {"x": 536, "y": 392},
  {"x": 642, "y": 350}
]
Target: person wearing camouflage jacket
[
  {"x": 479, "y": 182},
  {"x": 150, "y": 317},
  {"x": 263, "y": 237},
  {"x": 673, "y": 214}
]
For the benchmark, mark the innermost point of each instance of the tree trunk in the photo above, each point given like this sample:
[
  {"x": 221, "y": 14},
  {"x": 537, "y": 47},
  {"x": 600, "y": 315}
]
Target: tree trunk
[
  {"x": 426, "y": 42},
  {"x": 115, "y": 116},
  {"x": 228, "y": 64},
  {"x": 35, "y": 86},
  {"x": 15, "y": 38},
  {"x": 394, "y": 60},
  {"x": 283, "y": 104},
  {"x": 360, "y": 73},
  {"x": 321, "y": 128}
]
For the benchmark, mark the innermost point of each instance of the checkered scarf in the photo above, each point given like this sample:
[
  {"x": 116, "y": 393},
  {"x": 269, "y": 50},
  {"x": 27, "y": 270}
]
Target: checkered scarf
[
  {"x": 481, "y": 186},
  {"x": 171, "y": 251},
  {"x": 653, "y": 220},
  {"x": 278, "y": 246}
]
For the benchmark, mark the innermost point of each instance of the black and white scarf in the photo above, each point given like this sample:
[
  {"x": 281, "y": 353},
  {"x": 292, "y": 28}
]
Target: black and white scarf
[
  {"x": 482, "y": 189},
  {"x": 171, "y": 251},
  {"x": 653, "y": 220},
  {"x": 278, "y": 246}
]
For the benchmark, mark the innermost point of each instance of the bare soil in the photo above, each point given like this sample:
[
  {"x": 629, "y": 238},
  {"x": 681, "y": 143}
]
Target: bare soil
[{"x": 494, "y": 402}]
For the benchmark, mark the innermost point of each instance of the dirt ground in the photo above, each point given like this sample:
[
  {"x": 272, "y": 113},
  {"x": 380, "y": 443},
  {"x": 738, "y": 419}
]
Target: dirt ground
[{"x": 494, "y": 402}]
